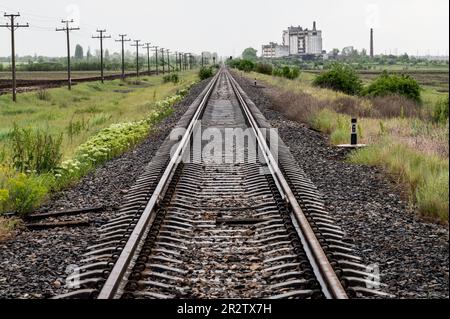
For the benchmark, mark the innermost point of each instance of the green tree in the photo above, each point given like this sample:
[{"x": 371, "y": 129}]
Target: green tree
[
  {"x": 89, "y": 54},
  {"x": 79, "y": 53},
  {"x": 250, "y": 54}
]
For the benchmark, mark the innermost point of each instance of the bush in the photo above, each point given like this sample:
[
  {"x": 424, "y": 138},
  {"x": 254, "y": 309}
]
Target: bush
[
  {"x": 264, "y": 68},
  {"x": 392, "y": 84},
  {"x": 26, "y": 193},
  {"x": 340, "y": 78},
  {"x": 35, "y": 151},
  {"x": 287, "y": 72},
  {"x": 205, "y": 73},
  {"x": 173, "y": 77},
  {"x": 246, "y": 65},
  {"x": 440, "y": 112}
]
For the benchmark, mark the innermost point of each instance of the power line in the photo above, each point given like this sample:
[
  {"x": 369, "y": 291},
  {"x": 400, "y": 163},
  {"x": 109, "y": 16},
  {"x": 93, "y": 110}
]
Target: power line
[
  {"x": 13, "y": 27},
  {"x": 67, "y": 29},
  {"x": 101, "y": 36}
]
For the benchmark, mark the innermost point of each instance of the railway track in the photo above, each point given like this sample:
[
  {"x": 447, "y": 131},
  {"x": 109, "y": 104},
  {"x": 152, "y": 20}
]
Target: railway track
[
  {"x": 243, "y": 222},
  {"x": 33, "y": 85}
]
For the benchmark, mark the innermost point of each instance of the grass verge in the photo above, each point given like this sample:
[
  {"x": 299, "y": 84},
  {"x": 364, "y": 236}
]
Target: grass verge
[
  {"x": 22, "y": 192},
  {"x": 410, "y": 146}
]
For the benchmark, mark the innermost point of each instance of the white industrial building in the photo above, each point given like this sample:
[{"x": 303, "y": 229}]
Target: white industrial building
[
  {"x": 274, "y": 50},
  {"x": 303, "y": 41},
  {"x": 296, "y": 42}
]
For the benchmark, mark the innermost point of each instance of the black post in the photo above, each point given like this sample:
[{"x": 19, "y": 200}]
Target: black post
[{"x": 354, "y": 138}]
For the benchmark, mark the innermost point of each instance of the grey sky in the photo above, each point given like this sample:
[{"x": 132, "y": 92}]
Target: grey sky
[{"x": 227, "y": 27}]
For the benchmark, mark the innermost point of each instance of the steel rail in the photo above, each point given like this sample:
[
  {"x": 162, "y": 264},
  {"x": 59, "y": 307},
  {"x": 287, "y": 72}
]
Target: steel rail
[
  {"x": 330, "y": 283},
  {"x": 118, "y": 273}
]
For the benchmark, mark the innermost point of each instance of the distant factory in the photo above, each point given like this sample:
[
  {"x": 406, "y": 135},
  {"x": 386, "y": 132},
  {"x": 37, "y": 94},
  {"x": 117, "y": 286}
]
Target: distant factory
[{"x": 296, "y": 42}]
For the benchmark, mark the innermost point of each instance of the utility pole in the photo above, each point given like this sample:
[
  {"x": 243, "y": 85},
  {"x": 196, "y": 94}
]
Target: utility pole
[
  {"x": 148, "y": 47},
  {"x": 67, "y": 29},
  {"x": 122, "y": 39},
  {"x": 101, "y": 37},
  {"x": 183, "y": 61},
  {"x": 156, "y": 57},
  {"x": 13, "y": 28},
  {"x": 137, "y": 55},
  {"x": 176, "y": 61},
  {"x": 163, "y": 63},
  {"x": 202, "y": 61},
  {"x": 168, "y": 60}
]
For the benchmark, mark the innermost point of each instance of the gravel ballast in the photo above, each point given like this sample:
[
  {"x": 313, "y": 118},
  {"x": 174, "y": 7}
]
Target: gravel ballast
[
  {"x": 412, "y": 255},
  {"x": 33, "y": 264}
]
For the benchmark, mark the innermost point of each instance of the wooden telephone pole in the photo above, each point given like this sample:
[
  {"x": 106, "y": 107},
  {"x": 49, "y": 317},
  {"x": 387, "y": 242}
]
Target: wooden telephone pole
[
  {"x": 156, "y": 56},
  {"x": 12, "y": 27},
  {"x": 101, "y": 37},
  {"x": 122, "y": 39},
  {"x": 148, "y": 47},
  {"x": 67, "y": 29},
  {"x": 137, "y": 45}
]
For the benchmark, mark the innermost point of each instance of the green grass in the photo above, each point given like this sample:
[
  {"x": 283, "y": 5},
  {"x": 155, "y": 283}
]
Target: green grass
[
  {"x": 427, "y": 176},
  {"x": 94, "y": 104},
  {"x": 98, "y": 122}
]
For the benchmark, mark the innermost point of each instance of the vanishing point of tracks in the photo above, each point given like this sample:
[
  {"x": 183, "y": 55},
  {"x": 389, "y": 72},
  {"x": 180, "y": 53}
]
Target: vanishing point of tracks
[{"x": 223, "y": 227}]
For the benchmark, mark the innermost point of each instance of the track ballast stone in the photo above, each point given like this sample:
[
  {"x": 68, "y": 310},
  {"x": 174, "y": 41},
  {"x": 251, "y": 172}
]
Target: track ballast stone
[
  {"x": 413, "y": 255},
  {"x": 34, "y": 263}
]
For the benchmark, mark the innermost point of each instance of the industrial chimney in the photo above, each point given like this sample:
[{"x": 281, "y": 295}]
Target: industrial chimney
[
  {"x": 371, "y": 43},
  {"x": 314, "y": 26}
]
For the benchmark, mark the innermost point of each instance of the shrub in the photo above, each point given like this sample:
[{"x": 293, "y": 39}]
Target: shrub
[
  {"x": 34, "y": 150},
  {"x": 440, "y": 111},
  {"x": 26, "y": 193},
  {"x": 246, "y": 65},
  {"x": 205, "y": 73},
  {"x": 264, "y": 68},
  {"x": 287, "y": 72},
  {"x": 392, "y": 84},
  {"x": 341, "y": 78},
  {"x": 173, "y": 77}
]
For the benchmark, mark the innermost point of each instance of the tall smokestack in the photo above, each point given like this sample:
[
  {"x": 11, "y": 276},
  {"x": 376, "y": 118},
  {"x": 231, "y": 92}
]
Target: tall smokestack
[
  {"x": 314, "y": 26},
  {"x": 371, "y": 43}
]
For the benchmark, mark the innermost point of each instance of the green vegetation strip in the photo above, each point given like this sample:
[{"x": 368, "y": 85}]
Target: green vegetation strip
[{"x": 23, "y": 188}]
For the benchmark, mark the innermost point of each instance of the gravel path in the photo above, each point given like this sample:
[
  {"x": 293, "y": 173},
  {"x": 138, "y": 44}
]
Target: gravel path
[
  {"x": 33, "y": 264},
  {"x": 413, "y": 255}
]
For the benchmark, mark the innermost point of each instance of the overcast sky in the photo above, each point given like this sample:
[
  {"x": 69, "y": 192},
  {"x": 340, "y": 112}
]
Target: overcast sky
[{"x": 227, "y": 27}]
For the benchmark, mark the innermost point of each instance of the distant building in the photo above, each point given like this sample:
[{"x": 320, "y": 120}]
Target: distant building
[
  {"x": 303, "y": 41},
  {"x": 274, "y": 50}
]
